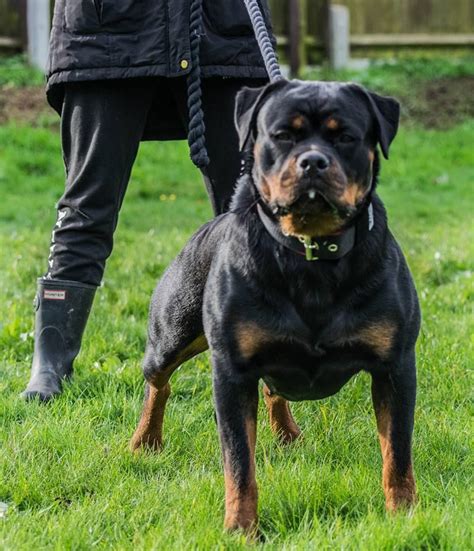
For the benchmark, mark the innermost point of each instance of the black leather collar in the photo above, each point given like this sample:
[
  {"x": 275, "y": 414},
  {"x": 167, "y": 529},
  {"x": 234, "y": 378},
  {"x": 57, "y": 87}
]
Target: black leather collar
[{"x": 330, "y": 247}]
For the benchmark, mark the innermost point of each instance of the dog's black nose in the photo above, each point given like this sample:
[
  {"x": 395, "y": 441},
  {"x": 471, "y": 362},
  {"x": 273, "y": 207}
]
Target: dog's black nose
[{"x": 313, "y": 162}]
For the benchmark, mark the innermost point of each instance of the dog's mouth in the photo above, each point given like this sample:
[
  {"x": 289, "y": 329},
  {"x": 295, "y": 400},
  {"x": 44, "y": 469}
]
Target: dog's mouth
[{"x": 312, "y": 201}]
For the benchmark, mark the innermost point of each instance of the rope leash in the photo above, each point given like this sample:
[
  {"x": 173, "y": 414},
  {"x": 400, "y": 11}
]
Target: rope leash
[
  {"x": 263, "y": 40},
  {"x": 197, "y": 129}
]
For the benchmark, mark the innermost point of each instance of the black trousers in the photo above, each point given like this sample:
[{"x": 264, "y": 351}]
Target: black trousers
[{"x": 102, "y": 124}]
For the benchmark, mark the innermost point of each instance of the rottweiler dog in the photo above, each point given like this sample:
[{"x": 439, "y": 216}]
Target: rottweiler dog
[{"x": 301, "y": 285}]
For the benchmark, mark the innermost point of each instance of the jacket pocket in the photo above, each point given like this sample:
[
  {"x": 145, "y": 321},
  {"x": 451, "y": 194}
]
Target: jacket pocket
[
  {"x": 82, "y": 16},
  {"x": 121, "y": 16},
  {"x": 109, "y": 16},
  {"x": 227, "y": 18}
]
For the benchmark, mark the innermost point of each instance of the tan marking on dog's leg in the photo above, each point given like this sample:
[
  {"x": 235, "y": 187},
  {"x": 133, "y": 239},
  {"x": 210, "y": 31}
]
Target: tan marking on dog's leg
[
  {"x": 149, "y": 432},
  {"x": 378, "y": 336},
  {"x": 241, "y": 500},
  {"x": 282, "y": 422},
  {"x": 399, "y": 489}
]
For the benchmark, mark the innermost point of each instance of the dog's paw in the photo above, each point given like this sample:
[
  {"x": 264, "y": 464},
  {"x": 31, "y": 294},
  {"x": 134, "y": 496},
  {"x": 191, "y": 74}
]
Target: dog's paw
[
  {"x": 145, "y": 442},
  {"x": 245, "y": 526},
  {"x": 401, "y": 498},
  {"x": 288, "y": 435}
]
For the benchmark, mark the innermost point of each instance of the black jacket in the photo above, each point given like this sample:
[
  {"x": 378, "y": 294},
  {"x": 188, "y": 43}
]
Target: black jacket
[{"x": 115, "y": 39}]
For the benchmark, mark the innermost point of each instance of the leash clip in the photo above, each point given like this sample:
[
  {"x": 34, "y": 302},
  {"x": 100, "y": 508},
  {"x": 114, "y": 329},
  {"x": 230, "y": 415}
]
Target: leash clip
[{"x": 309, "y": 246}]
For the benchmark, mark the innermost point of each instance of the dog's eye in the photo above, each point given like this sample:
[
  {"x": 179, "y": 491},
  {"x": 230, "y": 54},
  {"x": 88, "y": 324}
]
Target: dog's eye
[
  {"x": 283, "y": 136},
  {"x": 345, "y": 138}
]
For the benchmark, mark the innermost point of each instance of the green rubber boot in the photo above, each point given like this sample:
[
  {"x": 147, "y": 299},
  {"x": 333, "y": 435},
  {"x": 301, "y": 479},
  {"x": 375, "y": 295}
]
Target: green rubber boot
[{"x": 62, "y": 310}]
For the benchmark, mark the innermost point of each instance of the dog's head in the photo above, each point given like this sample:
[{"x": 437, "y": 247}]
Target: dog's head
[{"x": 314, "y": 146}]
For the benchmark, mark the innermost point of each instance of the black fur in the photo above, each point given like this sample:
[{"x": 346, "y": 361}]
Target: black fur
[{"x": 232, "y": 274}]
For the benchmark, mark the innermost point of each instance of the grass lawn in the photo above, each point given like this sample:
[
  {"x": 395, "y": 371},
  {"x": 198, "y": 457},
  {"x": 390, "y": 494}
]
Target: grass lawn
[{"x": 67, "y": 479}]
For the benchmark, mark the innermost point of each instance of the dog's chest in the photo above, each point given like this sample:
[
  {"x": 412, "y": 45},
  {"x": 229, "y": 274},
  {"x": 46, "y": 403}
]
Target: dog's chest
[
  {"x": 308, "y": 371},
  {"x": 319, "y": 350}
]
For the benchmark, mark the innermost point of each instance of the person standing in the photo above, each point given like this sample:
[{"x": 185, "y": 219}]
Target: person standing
[{"x": 122, "y": 71}]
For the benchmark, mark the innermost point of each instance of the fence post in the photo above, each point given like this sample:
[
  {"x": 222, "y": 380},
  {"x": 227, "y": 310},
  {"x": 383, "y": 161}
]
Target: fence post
[
  {"x": 338, "y": 36},
  {"x": 38, "y": 25},
  {"x": 297, "y": 35}
]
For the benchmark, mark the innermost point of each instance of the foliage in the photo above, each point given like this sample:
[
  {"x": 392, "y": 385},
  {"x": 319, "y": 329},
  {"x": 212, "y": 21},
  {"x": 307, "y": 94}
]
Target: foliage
[
  {"x": 14, "y": 71},
  {"x": 397, "y": 76}
]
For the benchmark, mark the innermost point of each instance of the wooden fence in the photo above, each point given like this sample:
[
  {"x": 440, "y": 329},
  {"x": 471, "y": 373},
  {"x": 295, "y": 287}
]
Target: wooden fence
[
  {"x": 381, "y": 26},
  {"x": 376, "y": 25},
  {"x": 12, "y": 24}
]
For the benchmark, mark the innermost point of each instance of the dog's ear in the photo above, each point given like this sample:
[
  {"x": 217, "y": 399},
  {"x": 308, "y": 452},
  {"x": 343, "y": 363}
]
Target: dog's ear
[
  {"x": 386, "y": 112},
  {"x": 248, "y": 103}
]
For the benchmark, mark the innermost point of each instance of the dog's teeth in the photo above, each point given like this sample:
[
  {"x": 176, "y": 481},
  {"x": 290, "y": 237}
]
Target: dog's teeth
[
  {"x": 275, "y": 210},
  {"x": 312, "y": 193}
]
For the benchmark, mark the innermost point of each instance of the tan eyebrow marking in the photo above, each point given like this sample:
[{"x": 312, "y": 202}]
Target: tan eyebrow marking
[
  {"x": 297, "y": 122},
  {"x": 332, "y": 124}
]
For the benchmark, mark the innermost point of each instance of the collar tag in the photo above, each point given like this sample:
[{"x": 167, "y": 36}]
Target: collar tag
[{"x": 309, "y": 246}]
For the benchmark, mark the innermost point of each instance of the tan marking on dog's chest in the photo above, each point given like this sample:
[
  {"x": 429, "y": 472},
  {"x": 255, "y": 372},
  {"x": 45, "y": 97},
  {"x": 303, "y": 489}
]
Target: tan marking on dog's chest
[
  {"x": 378, "y": 336},
  {"x": 251, "y": 338}
]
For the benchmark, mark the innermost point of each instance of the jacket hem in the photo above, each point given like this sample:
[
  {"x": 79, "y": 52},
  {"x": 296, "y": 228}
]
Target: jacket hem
[{"x": 55, "y": 92}]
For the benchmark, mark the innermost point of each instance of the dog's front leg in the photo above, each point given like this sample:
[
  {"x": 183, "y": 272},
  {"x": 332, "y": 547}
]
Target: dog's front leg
[
  {"x": 236, "y": 399},
  {"x": 393, "y": 396}
]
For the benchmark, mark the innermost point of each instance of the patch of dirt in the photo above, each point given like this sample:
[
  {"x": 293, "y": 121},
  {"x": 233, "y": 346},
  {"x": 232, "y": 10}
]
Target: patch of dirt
[
  {"x": 441, "y": 103},
  {"x": 438, "y": 104},
  {"x": 23, "y": 104}
]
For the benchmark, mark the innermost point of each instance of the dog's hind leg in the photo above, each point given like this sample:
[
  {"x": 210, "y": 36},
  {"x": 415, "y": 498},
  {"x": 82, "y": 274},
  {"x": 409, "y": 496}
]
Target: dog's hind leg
[
  {"x": 149, "y": 432},
  {"x": 281, "y": 419},
  {"x": 175, "y": 330}
]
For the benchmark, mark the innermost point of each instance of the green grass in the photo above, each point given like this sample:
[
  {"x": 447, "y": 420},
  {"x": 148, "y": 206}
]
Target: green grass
[
  {"x": 15, "y": 72},
  {"x": 66, "y": 475},
  {"x": 397, "y": 76}
]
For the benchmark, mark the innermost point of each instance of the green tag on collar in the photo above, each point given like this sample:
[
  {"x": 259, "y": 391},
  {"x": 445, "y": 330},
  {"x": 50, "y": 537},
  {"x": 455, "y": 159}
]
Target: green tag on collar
[{"x": 310, "y": 246}]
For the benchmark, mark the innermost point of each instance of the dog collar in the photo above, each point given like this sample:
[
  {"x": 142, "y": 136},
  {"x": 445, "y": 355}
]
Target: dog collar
[{"x": 330, "y": 247}]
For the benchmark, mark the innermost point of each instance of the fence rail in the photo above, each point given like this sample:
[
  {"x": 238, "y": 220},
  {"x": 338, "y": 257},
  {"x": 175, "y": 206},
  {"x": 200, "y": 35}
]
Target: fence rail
[{"x": 378, "y": 26}]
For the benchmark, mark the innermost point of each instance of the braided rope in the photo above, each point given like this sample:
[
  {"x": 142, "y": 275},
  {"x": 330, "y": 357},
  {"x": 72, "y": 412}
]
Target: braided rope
[
  {"x": 263, "y": 40},
  {"x": 197, "y": 129}
]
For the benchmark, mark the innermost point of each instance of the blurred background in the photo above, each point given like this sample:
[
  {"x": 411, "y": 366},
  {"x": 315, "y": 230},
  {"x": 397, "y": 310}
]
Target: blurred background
[{"x": 308, "y": 31}]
